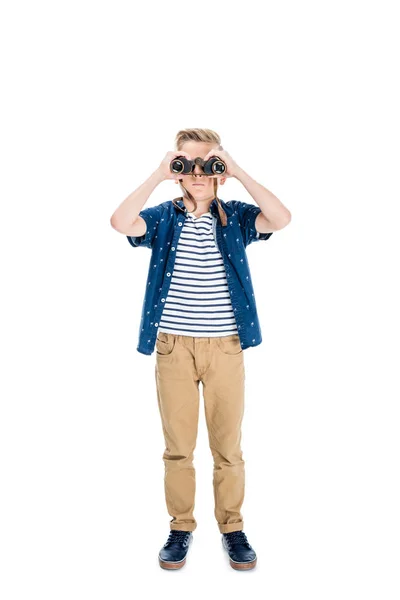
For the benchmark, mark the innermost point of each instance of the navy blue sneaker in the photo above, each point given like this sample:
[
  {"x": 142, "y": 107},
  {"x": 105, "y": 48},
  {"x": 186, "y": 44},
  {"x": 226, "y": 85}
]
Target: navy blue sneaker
[
  {"x": 173, "y": 554},
  {"x": 241, "y": 554}
]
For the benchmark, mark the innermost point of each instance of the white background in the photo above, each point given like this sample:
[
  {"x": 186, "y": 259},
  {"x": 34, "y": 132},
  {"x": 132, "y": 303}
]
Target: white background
[{"x": 305, "y": 98}]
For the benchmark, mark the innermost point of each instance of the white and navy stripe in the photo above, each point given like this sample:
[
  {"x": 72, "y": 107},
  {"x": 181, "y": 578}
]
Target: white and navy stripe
[{"x": 198, "y": 301}]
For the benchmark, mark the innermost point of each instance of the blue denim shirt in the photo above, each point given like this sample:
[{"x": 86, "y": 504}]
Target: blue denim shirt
[{"x": 164, "y": 225}]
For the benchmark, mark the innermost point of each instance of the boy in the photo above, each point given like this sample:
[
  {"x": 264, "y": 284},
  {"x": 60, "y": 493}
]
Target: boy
[{"x": 200, "y": 313}]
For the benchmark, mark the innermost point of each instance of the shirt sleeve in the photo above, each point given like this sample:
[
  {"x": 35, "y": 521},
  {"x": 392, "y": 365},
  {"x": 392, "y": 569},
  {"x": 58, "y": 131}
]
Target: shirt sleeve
[
  {"x": 152, "y": 216},
  {"x": 247, "y": 214}
]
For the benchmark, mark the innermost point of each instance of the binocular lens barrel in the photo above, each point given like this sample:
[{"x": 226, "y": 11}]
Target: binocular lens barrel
[
  {"x": 177, "y": 166},
  {"x": 219, "y": 167},
  {"x": 212, "y": 166}
]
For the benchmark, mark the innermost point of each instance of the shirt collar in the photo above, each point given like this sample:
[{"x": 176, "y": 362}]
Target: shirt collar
[{"x": 213, "y": 206}]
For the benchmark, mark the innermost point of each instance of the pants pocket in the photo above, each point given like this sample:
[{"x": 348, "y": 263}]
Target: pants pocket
[
  {"x": 165, "y": 343},
  {"x": 230, "y": 344}
]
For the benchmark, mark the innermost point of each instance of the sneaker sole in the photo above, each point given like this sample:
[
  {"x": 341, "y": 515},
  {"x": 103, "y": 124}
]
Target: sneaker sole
[
  {"x": 171, "y": 565},
  {"x": 242, "y": 566}
]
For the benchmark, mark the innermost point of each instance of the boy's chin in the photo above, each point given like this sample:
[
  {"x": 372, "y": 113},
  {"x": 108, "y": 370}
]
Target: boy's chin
[{"x": 201, "y": 191}]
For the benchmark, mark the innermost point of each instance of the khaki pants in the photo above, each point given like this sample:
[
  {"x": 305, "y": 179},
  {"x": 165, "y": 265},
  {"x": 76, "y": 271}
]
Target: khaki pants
[{"x": 181, "y": 362}]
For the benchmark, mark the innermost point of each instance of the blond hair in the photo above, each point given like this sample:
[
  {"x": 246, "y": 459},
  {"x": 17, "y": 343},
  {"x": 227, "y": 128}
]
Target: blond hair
[{"x": 199, "y": 135}]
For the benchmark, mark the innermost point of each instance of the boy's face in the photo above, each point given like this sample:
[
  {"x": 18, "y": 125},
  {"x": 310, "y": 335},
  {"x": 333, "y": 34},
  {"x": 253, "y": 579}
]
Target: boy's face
[{"x": 206, "y": 190}]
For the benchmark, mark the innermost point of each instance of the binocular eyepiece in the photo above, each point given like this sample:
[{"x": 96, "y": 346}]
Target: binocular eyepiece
[{"x": 184, "y": 166}]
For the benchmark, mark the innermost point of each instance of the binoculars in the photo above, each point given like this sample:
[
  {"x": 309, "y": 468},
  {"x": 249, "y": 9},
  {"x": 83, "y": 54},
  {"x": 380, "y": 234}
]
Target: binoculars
[{"x": 213, "y": 166}]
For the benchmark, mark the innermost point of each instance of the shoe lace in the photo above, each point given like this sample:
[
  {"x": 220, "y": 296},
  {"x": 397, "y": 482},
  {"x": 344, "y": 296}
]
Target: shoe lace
[
  {"x": 237, "y": 537},
  {"x": 177, "y": 535}
]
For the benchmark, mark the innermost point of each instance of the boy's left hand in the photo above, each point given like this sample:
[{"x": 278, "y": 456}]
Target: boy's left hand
[{"x": 231, "y": 166}]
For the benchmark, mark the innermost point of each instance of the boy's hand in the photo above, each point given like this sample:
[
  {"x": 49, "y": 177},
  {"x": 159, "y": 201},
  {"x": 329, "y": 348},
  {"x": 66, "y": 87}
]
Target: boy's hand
[
  {"x": 165, "y": 165},
  {"x": 232, "y": 167}
]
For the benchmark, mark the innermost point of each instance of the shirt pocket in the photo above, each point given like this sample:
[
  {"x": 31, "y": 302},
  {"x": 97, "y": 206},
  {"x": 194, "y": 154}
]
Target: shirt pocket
[{"x": 233, "y": 235}]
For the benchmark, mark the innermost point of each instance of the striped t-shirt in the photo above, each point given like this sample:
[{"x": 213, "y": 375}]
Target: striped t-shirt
[{"x": 198, "y": 301}]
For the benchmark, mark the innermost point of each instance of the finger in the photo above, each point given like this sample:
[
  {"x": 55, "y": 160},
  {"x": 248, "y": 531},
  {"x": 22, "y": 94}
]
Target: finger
[
  {"x": 212, "y": 153},
  {"x": 180, "y": 153}
]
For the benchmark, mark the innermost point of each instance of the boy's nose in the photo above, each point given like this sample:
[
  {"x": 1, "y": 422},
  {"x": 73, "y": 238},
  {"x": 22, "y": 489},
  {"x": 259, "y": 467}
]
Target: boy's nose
[{"x": 198, "y": 171}]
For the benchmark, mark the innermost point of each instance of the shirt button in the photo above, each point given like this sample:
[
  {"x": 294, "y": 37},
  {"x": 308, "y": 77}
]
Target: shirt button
[
  {"x": 162, "y": 299},
  {"x": 168, "y": 274},
  {"x": 155, "y": 324},
  {"x": 173, "y": 248},
  {"x": 180, "y": 224}
]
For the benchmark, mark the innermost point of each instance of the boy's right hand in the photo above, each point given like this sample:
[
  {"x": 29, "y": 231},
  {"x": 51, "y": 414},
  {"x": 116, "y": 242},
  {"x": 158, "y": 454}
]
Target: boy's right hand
[{"x": 164, "y": 167}]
